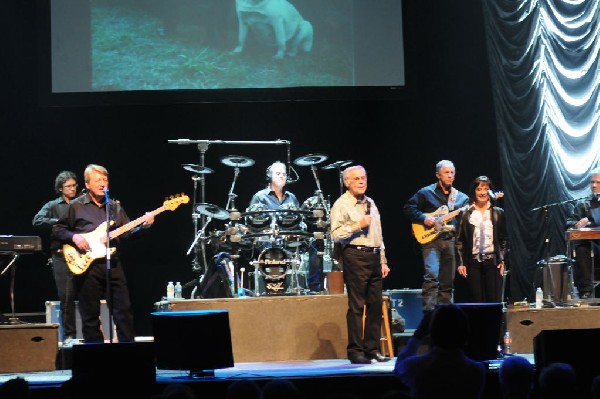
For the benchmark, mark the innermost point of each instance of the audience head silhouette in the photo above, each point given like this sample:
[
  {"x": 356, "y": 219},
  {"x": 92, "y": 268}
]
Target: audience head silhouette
[
  {"x": 178, "y": 391},
  {"x": 516, "y": 376},
  {"x": 280, "y": 388},
  {"x": 557, "y": 380},
  {"x": 16, "y": 387},
  {"x": 243, "y": 389},
  {"x": 449, "y": 327}
]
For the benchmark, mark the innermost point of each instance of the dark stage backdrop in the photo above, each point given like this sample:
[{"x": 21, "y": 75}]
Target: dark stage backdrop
[{"x": 448, "y": 115}]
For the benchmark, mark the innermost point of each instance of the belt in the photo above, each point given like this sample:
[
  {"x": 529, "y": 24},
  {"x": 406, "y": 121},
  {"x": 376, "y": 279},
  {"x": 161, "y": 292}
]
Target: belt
[
  {"x": 374, "y": 250},
  {"x": 482, "y": 257}
]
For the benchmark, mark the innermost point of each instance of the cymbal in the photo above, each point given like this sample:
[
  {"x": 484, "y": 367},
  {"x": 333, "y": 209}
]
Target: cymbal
[
  {"x": 310, "y": 159},
  {"x": 237, "y": 161},
  {"x": 336, "y": 164},
  {"x": 203, "y": 170},
  {"x": 212, "y": 211}
]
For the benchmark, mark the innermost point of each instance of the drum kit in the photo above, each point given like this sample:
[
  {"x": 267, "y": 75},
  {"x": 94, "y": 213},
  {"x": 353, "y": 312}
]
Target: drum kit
[{"x": 281, "y": 237}]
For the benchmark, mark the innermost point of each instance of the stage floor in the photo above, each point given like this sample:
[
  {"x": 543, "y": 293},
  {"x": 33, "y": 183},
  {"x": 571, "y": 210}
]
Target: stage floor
[{"x": 316, "y": 379}]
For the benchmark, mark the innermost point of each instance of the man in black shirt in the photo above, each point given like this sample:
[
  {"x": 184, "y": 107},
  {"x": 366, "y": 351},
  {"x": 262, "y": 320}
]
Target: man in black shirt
[{"x": 82, "y": 227}]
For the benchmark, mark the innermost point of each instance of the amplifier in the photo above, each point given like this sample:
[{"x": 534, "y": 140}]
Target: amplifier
[{"x": 22, "y": 244}]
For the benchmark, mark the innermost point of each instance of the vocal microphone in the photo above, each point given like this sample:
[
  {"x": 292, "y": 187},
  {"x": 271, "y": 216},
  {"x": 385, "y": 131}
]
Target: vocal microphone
[{"x": 491, "y": 194}]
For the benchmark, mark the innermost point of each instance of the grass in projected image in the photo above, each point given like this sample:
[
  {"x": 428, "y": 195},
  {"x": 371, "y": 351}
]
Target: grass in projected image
[{"x": 137, "y": 46}]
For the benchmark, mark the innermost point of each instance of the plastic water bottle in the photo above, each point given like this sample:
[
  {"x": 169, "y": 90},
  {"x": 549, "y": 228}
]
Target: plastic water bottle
[
  {"x": 327, "y": 263},
  {"x": 507, "y": 343},
  {"x": 170, "y": 290},
  {"x": 539, "y": 297},
  {"x": 178, "y": 290}
]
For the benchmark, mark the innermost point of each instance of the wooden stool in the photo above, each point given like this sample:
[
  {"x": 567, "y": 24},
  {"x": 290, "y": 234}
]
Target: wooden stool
[{"x": 386, "y": 340}]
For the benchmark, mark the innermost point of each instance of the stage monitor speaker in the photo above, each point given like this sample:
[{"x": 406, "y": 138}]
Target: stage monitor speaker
[
  {"x": 578, "y": 347},
  {"x": 485, "y": 322},
  {"x": 195, "y": 340},
  {"x": 106, "y": 369},
  {"x": 28, "y": 347}
]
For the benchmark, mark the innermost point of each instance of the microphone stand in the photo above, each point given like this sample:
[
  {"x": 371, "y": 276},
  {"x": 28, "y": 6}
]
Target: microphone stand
[
  {"x": 108, "y": 269},
  {"x": 546, "y": 255},
  {"x": 14, "y": 319}
]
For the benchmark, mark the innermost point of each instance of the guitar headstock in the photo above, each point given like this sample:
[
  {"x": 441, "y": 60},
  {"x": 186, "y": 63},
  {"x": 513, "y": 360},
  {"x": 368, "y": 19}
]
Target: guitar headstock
[{"x": 175, "y": 200}]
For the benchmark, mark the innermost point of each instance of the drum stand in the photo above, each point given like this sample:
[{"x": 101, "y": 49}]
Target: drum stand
[{"x": 295, "y": 287}]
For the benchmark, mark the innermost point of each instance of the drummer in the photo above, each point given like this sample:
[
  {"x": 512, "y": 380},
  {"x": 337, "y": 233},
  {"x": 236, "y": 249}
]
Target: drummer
[{"x": 275, "y": 196}]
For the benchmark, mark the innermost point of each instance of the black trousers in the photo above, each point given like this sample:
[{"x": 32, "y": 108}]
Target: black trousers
[
  {"x": 63, "y": 279},
  {"x": 363, "y": 279},
  {"x": 91, "y": 288}
]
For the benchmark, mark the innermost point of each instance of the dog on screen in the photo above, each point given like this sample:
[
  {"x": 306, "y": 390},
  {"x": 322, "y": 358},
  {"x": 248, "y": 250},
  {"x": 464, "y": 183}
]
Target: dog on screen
[{"x": 276, "y": 22}]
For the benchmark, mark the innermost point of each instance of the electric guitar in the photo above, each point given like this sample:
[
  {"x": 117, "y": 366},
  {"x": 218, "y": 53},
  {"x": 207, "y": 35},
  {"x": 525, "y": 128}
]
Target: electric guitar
[
  {"x": 425, "y": 234},
  {"x": 79, "y": 262}
]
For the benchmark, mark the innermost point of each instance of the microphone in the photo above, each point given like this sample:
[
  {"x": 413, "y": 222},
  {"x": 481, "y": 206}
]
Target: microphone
[{"x": 491, "y": 194}]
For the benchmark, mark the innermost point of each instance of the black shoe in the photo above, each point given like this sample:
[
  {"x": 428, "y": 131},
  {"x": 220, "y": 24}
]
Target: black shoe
[
  {"x": 379, "y": 357},
  {"x": 359, "y": 359}
]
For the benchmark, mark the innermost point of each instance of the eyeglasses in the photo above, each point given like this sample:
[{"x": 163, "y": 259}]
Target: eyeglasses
[{"x": 70, "y": 186}]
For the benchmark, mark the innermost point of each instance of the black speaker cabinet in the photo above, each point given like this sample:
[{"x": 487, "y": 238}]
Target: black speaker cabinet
[
  {"x": 195, "y": 340},
  {"x": 578, "y": 347},
  {"x": 485, "y": 322},
  {"x": 100, "y": 368}
]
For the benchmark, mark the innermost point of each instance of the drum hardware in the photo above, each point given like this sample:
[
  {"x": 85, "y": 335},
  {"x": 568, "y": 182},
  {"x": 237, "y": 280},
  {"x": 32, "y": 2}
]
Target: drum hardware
[
  {"x": 338, "y": 165},
  {"x": 199, "y": 235},
  {"x": 212, "y": 211},
  {"x": 201, "y": 170},
  {"x": 310, "y": 159},
  {"x": 295, "y": 287},
  {"x": 237, "y": 162}
]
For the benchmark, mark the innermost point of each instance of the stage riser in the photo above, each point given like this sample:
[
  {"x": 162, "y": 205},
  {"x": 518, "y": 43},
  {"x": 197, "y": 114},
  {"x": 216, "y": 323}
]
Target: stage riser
[
  {"x": 525, "y": 324},
  {"x": 29, "y": 347},
  {"x": 279, "y": 328}
]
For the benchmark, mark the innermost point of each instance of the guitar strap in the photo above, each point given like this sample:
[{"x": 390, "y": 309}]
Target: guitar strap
[{"x": 452, "y": 198}]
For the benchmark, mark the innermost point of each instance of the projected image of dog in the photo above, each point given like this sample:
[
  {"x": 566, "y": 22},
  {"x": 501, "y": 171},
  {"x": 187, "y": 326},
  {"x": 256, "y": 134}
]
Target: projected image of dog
[{"x": 273, "y": 22}]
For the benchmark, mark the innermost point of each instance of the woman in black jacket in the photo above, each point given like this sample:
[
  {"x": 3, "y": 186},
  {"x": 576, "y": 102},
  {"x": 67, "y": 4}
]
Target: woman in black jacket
[{"x": 481, "y": 243}]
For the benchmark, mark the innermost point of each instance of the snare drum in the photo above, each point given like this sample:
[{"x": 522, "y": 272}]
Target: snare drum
[
  {"x": 289, "y": 220},
  {"x": 258, "y": 221}
]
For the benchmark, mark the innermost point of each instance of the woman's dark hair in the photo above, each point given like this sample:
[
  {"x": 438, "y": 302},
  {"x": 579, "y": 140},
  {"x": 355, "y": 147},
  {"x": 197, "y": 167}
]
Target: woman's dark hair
[
  {"x": 62, "y": 178},
  {"x": 475, "y": 184}
]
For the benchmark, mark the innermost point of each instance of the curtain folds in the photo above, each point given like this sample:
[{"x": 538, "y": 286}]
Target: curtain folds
[{"x": 544, "y": 71}]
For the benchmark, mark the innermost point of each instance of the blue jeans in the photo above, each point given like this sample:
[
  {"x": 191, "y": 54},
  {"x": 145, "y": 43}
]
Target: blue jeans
[{"x": 440, "y": 268}]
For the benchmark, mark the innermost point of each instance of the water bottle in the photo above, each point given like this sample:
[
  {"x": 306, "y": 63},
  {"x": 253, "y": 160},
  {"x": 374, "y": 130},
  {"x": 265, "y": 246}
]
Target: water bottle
[
  {"x": 327, "y": 263},
  {"x": 539, "y": 297},
  {"x": 178, "y": 290},
  {"x": 507, "y": 343},
  {"x": 170, "y": 290}
]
